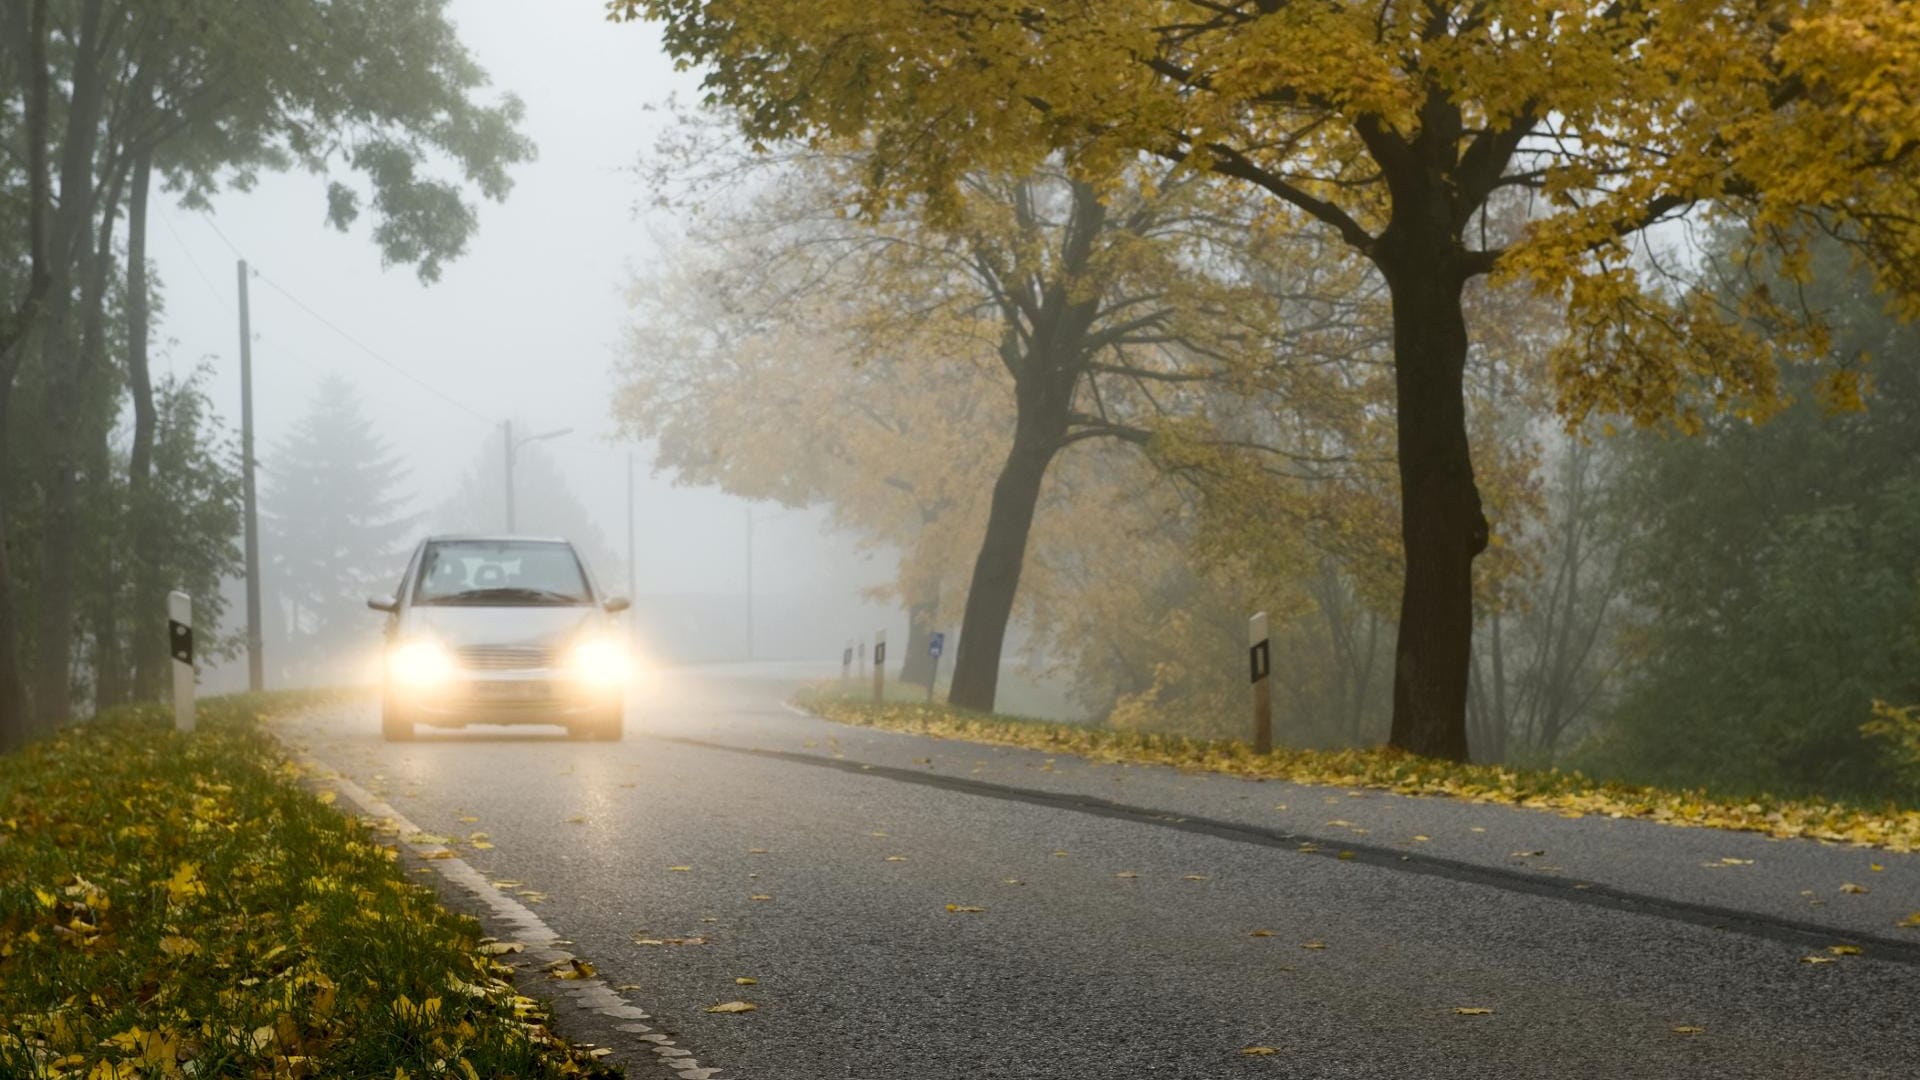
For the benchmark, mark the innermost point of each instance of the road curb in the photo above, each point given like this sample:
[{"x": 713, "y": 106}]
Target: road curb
[{"x": 591, "y": 994}]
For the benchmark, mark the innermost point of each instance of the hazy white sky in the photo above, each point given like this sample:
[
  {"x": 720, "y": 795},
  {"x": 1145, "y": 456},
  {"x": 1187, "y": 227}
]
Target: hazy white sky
[{"x": 524, "y": 326}]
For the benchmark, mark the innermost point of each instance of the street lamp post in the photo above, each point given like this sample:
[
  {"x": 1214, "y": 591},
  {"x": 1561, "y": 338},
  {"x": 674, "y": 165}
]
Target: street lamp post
[{"x": 513, "y": 451}]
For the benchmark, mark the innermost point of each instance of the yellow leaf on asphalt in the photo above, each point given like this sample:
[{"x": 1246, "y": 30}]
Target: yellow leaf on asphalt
[
  {"x": 1688, "y": 1029},
  {"x": 756, "y": 851},
  {"x": 1817, "y": 960},
  {"x": 1475, "y": 828},
  {"x": 1261, "y": 933},
  {"x": 577, "y": 819},
  {"x": 964, "y": 909},
  {"x": 1340, "y": 823},
  {"x": 747, "y": 980},
  {"x": 1011, "y": 881},
  {"x": 1911, "y": 922},
  {"x": 1420, "y": 838},
  {"x": 571, "y": 969},
  {"x": 1059, "y": 854},
  {"x": 482, "y": 845},
  {"x": 1850, "y": 887},
  {"x": 1194, "y": 877},
  {"x": 1725, "y": 861},
  {"x": 760, "y": 896},
  {"x": 1471, "y": 1010},
  {"x": 1258, "y": 1051},
  {"x": 1844, "y": 950},
  {"x": 680, "y": 869},
  {"x": 648, "y": 941},
  {"x": 1313, "y": 944},
  {"x": 499, "y": 948},
  {"x": 1525, "y": 854},
  {"x": 469, "y": 819},
  {"x": 896, "y": 858},
  {"x": 1126, "y": 874},
  {"x": 732, "y": 1007},
  {"x": 596, "y": 1052}
]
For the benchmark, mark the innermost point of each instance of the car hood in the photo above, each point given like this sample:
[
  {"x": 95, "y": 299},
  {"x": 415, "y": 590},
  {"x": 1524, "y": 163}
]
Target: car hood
[{"x": 458, "y": 625}]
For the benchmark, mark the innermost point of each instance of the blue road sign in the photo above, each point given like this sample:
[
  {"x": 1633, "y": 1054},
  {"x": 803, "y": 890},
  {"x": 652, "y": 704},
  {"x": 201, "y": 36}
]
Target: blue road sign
[{"x": 936, "y": 644}]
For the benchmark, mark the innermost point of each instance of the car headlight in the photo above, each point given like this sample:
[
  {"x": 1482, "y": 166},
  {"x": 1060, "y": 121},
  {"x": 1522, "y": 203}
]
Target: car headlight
[
  {"x": 420, "y": 663},
  {"x": 600, "y": 661}
]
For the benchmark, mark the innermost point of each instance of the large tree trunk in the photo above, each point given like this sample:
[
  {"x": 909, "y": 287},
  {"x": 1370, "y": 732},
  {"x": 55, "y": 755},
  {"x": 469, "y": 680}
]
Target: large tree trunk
[
  {"x": 996, "y": 573},
  {"x": 149, "y": 647},
  {"x": 1441, "y": 523},
  {"x": 53, "y": 676},
  {"x": 923, "y": 619},
  {"x": 103, "y": 614},
  {"x": 15, "y": 720}
]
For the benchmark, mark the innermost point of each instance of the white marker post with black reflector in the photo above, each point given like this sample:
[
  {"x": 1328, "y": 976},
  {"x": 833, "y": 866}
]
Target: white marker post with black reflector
[
  {"x": 846, "y": 666},
  {"x": 180, "y": 643},
  {"x": 1260, "y": 661},
  {"x": 879, "y": 666}
]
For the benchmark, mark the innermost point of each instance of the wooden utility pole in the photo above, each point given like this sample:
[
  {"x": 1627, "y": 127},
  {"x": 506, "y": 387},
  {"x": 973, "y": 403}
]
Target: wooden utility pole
[{"x": 256, "y": 662}]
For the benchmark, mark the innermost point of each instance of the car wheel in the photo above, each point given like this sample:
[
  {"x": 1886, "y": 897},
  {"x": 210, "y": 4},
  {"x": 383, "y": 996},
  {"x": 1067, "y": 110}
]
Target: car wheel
[
  {"x": 611, "y": 728},
  {"x": 395, "y": 725}
]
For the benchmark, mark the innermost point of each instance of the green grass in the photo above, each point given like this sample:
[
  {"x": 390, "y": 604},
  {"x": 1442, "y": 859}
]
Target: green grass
[{"x": 181, "y": 906}]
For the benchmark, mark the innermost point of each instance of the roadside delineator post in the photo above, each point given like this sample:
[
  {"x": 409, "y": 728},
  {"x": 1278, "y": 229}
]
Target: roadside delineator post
[
  {"x": 1260, "y": 661},
  {"x": 936, "y": 644},
  {"x": 879, "y": 666},
  {"x": 863, "y": 659},
  {"x": 846, "y": 665},
  {"x": 180, "y": 643}
]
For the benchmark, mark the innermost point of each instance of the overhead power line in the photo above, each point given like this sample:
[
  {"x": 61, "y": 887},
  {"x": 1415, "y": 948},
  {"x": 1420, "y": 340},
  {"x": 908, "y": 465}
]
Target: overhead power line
[{"x": 392, "y": 365}]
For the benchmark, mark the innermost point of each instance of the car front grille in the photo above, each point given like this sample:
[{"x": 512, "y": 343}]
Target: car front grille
[{"x": 504, "y": 657}]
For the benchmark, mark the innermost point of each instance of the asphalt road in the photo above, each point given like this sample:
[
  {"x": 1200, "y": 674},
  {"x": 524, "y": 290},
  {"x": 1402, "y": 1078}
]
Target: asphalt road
[{"x": 1119, "y": 910}]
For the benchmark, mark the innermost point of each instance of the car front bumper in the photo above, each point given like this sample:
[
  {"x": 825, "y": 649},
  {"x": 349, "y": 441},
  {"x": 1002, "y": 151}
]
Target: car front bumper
[{"x": 524, "y": 697}]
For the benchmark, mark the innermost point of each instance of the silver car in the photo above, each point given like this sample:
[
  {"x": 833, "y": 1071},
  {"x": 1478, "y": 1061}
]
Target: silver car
[{"x": 502, "y": 630}]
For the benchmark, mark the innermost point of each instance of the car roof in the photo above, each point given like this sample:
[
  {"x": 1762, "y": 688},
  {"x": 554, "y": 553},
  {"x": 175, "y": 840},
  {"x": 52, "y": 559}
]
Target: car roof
[{"x": 496, "y": 538}]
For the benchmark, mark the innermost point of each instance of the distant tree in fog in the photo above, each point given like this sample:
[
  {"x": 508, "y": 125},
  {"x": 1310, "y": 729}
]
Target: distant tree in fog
[
  {"x": 333, "y": 528},
  {"x": 545, "y": 504}
]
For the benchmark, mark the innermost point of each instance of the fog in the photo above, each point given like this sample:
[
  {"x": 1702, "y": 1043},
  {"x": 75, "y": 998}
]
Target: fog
[{"x": 523, "y": 327}]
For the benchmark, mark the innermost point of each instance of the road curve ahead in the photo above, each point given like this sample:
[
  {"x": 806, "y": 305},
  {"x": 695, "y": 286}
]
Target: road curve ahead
[{"x": 922, "y": 909}]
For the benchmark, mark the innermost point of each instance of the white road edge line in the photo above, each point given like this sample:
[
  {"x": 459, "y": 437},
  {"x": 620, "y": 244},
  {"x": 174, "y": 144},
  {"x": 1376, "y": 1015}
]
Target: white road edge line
[
  {"x": 798, "y": 711},
  {"x": 539, "y": 938}
]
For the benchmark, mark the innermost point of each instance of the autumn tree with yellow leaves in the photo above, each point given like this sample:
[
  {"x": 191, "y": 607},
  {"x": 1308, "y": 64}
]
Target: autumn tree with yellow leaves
[{"x": 1392, "y": 125}]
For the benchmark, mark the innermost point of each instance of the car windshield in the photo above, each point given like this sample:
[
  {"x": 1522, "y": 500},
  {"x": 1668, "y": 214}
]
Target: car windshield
[{"x": 500, "y": 573}]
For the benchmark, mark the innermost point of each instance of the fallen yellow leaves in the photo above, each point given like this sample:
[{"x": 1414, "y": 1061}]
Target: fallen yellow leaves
[
  {"x": 571, "y": 969},
  {"x": 1379, "y": 769},
  {"x": 746, "y": 980},
  {"x": 1911, "y": 922},
  {"x": 1856, "y": 890},
  {"x": 1316, "y": 945},
  {"x": 1471, "y": 1010},
  {"x": 732, "y": 1007},
  {"x": 1258, "y": 1051},
  {"x": 1261, "y": 933},
  {"x": 964, "y": 909},
  {"x": 1688, "y": 1029}
]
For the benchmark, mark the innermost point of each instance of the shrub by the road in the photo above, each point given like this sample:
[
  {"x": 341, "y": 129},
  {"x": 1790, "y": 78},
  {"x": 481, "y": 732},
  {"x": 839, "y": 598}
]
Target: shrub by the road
[{"x": 175, "y": 906}]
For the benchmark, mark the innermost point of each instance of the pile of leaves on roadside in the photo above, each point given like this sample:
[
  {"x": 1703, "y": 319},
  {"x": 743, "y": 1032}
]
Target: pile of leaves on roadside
[
  {"x": 1893, "y": 828},
  {"x": 176, "y": 905}
]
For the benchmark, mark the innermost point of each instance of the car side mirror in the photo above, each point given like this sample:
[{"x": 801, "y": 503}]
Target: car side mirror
[
  {"x": 387, "y": 604},
  {"x": 617, "y": 604}
]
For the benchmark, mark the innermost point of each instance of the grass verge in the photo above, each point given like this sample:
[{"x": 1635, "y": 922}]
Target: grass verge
[
  {"x": 1572, "y": 794},
  {"x": 177, "y": 905}
]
